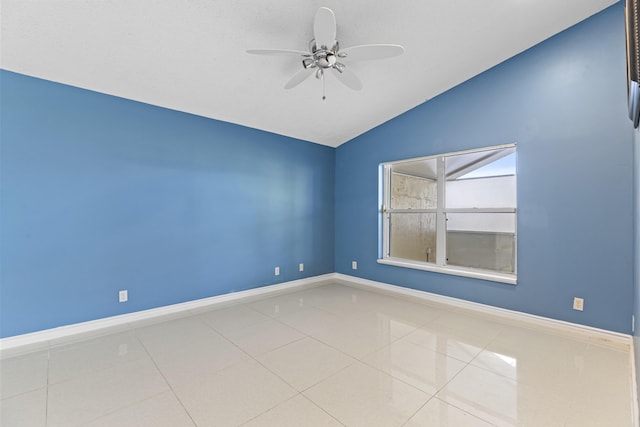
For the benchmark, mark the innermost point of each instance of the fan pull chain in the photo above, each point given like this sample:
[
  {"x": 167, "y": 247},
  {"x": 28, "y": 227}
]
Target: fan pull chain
[{"x": 323, "y": 90}]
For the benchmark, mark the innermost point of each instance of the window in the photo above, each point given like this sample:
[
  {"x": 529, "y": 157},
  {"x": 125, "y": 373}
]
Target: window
[{"x": 452, "y": 213}]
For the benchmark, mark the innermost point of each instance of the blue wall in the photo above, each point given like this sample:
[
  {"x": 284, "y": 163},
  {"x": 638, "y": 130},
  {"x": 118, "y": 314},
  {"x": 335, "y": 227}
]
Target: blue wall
[
  {"x": 564, "y": 103},
  {"x": 100, "y": 194}
]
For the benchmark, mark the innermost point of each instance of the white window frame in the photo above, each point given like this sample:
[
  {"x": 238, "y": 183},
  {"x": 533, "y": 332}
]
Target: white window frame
[{"x": 440, "y": 265}]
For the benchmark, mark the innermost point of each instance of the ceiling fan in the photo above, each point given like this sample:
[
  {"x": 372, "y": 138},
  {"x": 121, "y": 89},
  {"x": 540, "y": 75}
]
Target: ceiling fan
[{"x": 325, "y": 54}]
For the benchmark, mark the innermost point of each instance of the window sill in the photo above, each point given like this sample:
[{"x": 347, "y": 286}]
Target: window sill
[{"x": 510, "y": 279}]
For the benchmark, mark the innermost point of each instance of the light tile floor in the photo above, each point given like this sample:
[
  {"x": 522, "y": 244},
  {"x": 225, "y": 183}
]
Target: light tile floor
[{"x": 331, "y": 355}]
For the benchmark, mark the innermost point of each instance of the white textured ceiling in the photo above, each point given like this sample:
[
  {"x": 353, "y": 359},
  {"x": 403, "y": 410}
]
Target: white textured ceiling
[{"x": 189, "y": 55}]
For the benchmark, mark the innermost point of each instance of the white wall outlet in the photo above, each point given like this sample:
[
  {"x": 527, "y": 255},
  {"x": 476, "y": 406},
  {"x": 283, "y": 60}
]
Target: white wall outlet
[
  {"x": 301, "y": 267},
  {"x": 578, "y": 303},
  {"x": 123, "y": 296},
  {"x": 354, "y": 265},
  {"x": 277, "y": 271}
]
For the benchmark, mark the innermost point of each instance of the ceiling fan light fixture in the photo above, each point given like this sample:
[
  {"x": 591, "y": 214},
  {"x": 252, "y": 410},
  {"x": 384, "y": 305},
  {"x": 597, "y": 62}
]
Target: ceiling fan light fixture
[
  {"x": 324, "y": 61},
  {"x": 324, "y": 53}
]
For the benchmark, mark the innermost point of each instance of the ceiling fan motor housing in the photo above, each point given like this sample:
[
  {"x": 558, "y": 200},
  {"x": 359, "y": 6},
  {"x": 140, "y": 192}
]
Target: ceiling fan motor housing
[{"x": 323, "y": 58}]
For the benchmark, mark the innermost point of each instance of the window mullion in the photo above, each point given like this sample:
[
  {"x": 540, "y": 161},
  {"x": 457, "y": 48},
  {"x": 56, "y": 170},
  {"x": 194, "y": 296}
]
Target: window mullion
[
  {"x": 441, "y": 219},
  {"x": 386, "y": 217}
]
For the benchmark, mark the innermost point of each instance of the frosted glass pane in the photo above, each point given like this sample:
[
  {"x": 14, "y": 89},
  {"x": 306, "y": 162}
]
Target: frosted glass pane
[
  {"x": 481, "y": 240},
  {"x": 411, "y": 192},
  {"x": 413, "y": 236},
  {"x": 489, "y": 251}
]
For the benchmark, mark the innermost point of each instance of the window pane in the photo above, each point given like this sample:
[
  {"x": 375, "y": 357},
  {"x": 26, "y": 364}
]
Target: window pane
[
  {"x": 481, "y": 240},
  {"x": 474, "y": 191},
  {"x": 413, "y": 236},
  {"x": 482, "y": 222},
  {"x": 492, "y": 192},
  {"x": 504, "y": 166},
  {"x": 412, "y": 192},
  {"x": 485, "y": 163}
]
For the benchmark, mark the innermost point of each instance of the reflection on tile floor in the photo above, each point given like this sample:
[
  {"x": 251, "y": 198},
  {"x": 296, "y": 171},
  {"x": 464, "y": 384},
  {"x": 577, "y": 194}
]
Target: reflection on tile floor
[{"x": 330, "y": 355}]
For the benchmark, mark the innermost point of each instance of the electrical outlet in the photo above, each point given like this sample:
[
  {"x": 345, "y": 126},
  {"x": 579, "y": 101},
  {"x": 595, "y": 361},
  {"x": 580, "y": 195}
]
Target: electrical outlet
[
  {"x": 123, "y": 296},
  {"x": 354, "y": 265},
  {"x": 578, "y": 303},
  {"x": 277, "y": 271},
  {"x": 301, "y": 267}
]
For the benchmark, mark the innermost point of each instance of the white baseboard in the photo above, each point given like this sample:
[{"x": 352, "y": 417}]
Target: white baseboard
[
  {"x": 43, "y": 339},
  {"x": 591, "y": 332}
]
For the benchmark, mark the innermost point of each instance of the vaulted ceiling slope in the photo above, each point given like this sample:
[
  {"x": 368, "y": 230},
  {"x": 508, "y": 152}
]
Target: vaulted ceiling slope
[{"x": 190, "y": 55}]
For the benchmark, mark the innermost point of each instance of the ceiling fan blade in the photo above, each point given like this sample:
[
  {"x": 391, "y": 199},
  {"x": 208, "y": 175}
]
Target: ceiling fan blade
[
  {"x": 349, "y": 79},
  {"x": 324, "y": 28},
  {"x": 278, "y": 52},
  {"x": 372, "y": 51},
  {"x": 298, "y": 78}
]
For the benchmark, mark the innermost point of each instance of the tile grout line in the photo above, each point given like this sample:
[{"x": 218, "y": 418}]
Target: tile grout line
[
  {"x": 434, "y": 395},
  {"x": 270, "y": 409},
  {"x": 570, "y": 402},
  {"x": 361, "y": 358},
  {"x": 164, "y": 378},
  {"x": 250, "y": 357},
  {"x": 129, "y": 405},
  {"x": 304, "y": 396},
  {"x": 226, "y": 338},
  {"x": 269, "y": 319},
  {"x": 467, "y": 364},
  {"x": 298, "y": 393}
]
